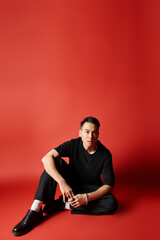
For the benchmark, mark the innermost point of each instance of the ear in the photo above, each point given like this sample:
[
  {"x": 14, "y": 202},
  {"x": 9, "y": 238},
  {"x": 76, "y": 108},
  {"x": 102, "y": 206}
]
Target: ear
[{"x": 80, "y": 133}]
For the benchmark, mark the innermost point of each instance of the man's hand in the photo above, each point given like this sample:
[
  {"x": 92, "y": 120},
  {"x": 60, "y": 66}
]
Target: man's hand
[
  {"x": 66, "y": 190},
  {"x": 78, "y": 200}
]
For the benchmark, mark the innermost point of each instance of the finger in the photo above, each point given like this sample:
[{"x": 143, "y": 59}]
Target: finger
[
  {"x": 76, "y": 205},
  {"x": 73, "y": 205},
  {"x": 70, "y": 193},
  {"x": 68, "y": 196},
  {"x": 76, "y": 196},
  {"x": 64, "y": 198},
  {"x": 71, "y": 200}
]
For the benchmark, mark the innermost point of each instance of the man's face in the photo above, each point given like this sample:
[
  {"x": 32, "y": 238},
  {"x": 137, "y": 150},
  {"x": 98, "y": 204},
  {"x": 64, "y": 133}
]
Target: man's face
[{"x": 89, "y": 134}]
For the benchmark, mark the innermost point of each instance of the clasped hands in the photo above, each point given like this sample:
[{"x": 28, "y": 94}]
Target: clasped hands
[
  {"x": 74, "y": 200},
  {"x": 78, "y": 200}
]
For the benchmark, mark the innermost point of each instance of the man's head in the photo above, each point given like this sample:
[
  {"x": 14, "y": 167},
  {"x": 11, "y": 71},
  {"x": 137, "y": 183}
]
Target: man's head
[
  {"x": 89, "y": 132},
  {"x": 91, "y": 120}
]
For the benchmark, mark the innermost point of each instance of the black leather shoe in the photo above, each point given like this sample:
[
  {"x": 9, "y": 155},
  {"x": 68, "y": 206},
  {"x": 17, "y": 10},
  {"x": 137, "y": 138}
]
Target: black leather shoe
[
  {"x": 55, "y": 206},
  {"x": 31, "y": 219}
]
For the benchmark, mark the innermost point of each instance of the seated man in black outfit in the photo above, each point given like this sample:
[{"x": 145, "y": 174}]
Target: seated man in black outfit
[{"x": 80, "y": 181}]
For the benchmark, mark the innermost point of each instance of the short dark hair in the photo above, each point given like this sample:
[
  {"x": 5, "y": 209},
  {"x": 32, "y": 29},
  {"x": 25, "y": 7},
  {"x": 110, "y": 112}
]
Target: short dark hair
[{"x": 91, "y": 120}]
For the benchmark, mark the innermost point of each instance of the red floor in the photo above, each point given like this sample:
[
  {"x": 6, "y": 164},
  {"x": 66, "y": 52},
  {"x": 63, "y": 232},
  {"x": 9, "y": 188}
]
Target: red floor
[{"x": 136, "y": 218}]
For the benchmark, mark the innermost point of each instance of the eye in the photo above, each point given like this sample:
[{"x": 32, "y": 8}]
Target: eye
[{"x": 86, "y": 131}]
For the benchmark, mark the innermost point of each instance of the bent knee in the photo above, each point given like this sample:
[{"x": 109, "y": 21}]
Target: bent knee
[{"x": 111, "y": 202}]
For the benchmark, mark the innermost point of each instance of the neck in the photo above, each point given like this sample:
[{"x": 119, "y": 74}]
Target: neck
[{"x": 92, "y": 149}]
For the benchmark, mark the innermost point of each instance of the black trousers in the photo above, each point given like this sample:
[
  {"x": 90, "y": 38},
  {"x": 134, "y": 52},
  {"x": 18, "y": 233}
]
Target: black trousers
[{"x": 47, "y": 188}]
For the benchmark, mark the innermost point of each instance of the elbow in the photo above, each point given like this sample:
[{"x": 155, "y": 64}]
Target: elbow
[
  {"x": 46, "y": 158},
  {"x": 111, "y": 189},
  {"x": 43, "y": 160}
]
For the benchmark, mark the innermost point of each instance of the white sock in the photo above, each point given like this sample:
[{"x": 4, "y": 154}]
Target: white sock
[
  {"x": 36, "y": 206},
  {"x": 67, "y": 206}
]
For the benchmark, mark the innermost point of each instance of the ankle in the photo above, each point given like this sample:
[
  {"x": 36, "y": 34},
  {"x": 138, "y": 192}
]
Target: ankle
[{"x": 36, "y": 206}]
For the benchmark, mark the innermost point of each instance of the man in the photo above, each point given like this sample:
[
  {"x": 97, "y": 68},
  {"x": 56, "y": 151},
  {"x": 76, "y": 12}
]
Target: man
[{"x": 80, "y": 181}]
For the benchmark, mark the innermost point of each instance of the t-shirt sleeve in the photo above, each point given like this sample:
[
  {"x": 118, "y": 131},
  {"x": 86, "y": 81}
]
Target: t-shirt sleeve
[
  {"x": 64, "y": 149},
  {"x": 107, "y": 172}
]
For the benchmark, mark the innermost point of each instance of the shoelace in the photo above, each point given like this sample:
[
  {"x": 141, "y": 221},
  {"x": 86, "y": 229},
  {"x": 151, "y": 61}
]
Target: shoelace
[{"x": 28, "y": 217}]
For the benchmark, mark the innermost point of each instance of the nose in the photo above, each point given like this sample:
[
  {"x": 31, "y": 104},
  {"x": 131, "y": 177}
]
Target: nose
[{"x": 91, "y": 135}]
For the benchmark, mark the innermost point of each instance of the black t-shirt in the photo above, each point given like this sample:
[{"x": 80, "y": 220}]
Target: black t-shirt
[{"x": 88, "y": 168}]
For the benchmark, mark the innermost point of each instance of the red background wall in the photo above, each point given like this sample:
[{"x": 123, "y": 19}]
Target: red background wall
[
  {"x": 64, "y": 60},
  {"x": 60, "y": 61}
]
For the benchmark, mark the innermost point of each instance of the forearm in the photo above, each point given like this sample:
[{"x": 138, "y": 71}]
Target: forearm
[
  {"x": 100, "y": 192},
  {"x": 84, "y": 198},
  {"x": 51, "y": 169}
]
